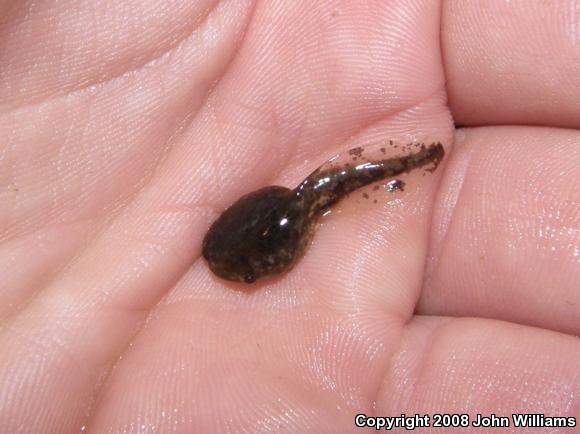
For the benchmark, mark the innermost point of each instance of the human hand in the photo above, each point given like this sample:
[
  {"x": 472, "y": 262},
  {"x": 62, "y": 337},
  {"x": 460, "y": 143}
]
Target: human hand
[{"x": 126, "y": 129}]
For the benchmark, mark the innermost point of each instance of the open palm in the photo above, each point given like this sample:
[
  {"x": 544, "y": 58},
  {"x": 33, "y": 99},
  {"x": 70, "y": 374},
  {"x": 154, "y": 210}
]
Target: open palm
[{"x": 127, "y": 127}]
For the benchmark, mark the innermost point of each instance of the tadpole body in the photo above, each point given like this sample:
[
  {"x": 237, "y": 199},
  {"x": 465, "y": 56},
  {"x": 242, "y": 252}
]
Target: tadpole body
[{"x": 266, "y": 232}]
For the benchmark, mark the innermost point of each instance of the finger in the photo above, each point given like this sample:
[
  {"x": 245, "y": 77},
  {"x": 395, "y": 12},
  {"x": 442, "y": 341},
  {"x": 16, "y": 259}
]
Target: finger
[
  {"x": 507, "y": 232},
  {"x": 36, "y": 60},
  {"x": 524, "y": 57},
  {"x": 474, "y": 366}
]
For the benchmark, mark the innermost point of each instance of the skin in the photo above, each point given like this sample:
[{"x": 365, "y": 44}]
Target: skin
[{"x": 125, "y": 132}]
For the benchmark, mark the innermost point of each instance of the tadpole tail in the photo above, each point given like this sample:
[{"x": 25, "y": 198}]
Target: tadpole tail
[{"x": 324, "y": 188}]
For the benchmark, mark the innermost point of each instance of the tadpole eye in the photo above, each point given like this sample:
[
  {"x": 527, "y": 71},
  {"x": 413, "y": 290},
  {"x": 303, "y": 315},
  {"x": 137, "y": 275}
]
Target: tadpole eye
[{"x": 249, "y": 278}]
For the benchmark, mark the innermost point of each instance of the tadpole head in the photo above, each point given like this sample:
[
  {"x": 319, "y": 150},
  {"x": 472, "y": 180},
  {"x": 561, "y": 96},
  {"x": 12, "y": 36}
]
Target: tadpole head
[{"x": 261, "y": 234}]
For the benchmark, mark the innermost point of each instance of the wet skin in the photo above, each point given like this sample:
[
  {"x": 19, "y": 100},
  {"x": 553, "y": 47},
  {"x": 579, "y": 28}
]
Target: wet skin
[{"x": 266, "y": 232}]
